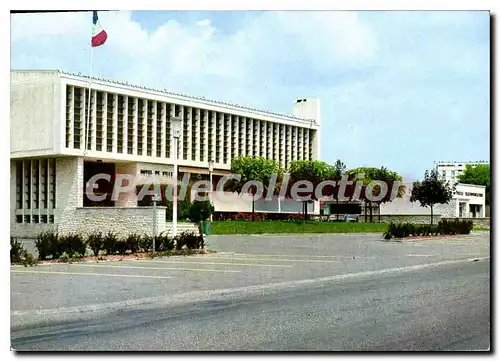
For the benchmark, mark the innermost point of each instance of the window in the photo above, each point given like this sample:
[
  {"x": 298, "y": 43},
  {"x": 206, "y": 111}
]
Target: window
[
  {"x": 157, "y": 172},
  {"x": 121, "y": 110},
  {"x": 151, "y": 108},
  {"x": 160, "y": 113},
  {"x": 69, "y": 111},
  {"x": 140, "y": 126},
  {"x": 130, "y": 125},
  {"x": 109, "y": 125},
  {"x": 99, "y": 121},
  {"x": 35, "y": 189},
  {"x": 77, "y": 116},
  {"x": 168, "y": 135}
]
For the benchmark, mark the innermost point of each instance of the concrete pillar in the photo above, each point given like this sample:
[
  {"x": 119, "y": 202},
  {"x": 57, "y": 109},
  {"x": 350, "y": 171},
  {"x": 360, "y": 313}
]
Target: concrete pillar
[{"x": 128, "y": 199}]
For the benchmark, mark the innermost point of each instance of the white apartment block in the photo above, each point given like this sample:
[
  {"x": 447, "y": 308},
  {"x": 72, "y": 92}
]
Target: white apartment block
[
  {"x": 451, "y": 170},
  {"x": 129, "y": 131}
]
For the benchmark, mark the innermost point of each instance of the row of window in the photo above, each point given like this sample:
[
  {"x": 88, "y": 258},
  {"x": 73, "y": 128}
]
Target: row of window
[
  {"x": 132, "y": 125},
  {"x": 43, "y": 218},
  {"x": 35, "y": 189}
]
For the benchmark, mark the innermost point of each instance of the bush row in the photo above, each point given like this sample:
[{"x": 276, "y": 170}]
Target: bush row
[
  {"x": 444, "y": 227},
  {"x": 51, "y": 245}
]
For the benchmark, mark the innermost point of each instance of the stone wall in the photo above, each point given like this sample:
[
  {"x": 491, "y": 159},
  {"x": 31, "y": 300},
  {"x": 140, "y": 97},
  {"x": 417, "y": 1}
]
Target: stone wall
[
  {"x": 122, "y": 221},
  {"x": 478, "y": 222},
  {"x": 411, "y": 218}
]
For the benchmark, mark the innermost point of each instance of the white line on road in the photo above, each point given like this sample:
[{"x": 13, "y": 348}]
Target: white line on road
[
  {"x": 297, "y": 256},
  {"x": 242, "y": 291},
  {"x": 239, "y": 258},
  {"x": 88, "y": 274},
  {"x": 158, "y": 268},
  {"x": 218, "y": 263}
]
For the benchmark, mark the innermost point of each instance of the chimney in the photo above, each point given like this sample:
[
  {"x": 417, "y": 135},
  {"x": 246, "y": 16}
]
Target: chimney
[{"x": 308, "y": 109}]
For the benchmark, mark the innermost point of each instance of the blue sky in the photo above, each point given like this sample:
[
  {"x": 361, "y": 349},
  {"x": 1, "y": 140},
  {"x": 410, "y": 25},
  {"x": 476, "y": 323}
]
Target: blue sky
[{"x": 398, "y": 89}]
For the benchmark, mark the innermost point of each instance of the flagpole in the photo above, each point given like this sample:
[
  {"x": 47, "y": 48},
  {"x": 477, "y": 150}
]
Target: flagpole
[{"x": 90, "y": 103}]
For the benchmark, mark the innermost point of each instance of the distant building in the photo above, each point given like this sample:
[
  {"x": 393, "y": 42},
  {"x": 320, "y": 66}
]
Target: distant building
[{"x": 451, "y": 170}]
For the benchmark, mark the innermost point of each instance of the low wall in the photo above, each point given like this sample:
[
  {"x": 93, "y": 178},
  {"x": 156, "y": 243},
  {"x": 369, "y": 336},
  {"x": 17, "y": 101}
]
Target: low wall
[
  {"x": 122, "y": 221},
  {"x": 478, "y": 222},
  {"x": 403, "y": 218}
]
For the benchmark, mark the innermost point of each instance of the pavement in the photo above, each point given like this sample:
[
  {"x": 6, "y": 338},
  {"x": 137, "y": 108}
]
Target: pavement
[{"x": 305, "y": 292}]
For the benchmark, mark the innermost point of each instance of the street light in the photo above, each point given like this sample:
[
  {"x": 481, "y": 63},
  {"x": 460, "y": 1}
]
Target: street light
[
  {"x": 176, "y": 133},
  {"x": 210, "y": 171},
  {"x": 156, "y": 198}
]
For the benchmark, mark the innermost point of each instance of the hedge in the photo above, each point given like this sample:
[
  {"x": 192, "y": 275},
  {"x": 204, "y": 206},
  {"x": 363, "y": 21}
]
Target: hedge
[
  {"x": 444, "y": 227},
  {"x": 51, "y": 245}
]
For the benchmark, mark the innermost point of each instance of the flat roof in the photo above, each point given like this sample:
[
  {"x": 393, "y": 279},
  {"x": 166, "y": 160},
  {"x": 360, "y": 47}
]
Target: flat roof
[{"x": 165, "y": 92}]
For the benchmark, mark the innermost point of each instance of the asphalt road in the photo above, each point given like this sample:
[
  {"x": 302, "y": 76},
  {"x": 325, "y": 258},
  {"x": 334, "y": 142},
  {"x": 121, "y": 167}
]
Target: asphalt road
[
  {"x": 446, "y": 307},
  {"x": 241, "y": 261}
]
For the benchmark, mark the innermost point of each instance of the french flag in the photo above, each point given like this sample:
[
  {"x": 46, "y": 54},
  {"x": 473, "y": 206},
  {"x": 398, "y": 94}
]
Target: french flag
[{"x": 99, "y": 36}]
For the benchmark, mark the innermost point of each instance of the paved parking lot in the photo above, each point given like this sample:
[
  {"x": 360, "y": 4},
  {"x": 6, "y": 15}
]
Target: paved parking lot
[{"x": 241, "y": 261}]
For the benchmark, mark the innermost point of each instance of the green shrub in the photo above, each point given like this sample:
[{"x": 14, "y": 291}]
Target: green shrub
[
  {"x": 47, "y": 245},
  {"x": 164, "y": 243},
  {"x": 77, "y": 255},
  {"x": 110, "y": 241},
  {"x": 95, "y": 242},
  {"x": 64, "y": 257},
  {"x": 146, "y": 243},
  {"x": 28, "y": 260},
  {"x": 72, "y": 243},
  {"x": 189, "y": 239},
  {"x": 455, "y": 226},
  {"x": 133, "y": 241},
  {"x": 200, "y": 211},
  {"x": 121, "y": 246},
  {"x": 444, "y": 227},
  {"x": 17, "y": 251}
]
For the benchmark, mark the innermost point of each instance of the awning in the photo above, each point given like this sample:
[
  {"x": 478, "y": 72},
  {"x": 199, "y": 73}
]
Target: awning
[{"x": 203, "y": 171}]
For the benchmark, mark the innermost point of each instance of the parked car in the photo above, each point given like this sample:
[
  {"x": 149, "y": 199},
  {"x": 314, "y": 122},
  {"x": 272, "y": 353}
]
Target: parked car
[{"x": 351, "y": 218}]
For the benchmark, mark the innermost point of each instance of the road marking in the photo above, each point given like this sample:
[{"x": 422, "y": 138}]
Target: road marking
[
  {"x": 219, "y": 263},
  {"x": 420, "y": 255},
  {"x": 293, "y": 255},
  {"x": 157, "y": 268},
  {"x": 279, "y": 260},
  {"x": 199, "y": 296},
  {"x": 90, "y": 274}
]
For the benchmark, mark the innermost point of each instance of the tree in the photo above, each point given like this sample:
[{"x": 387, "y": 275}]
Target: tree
[
  {"x": 255, "y": 169},
  {"x": 200, "y": 211},
  {"x": 314, "y": 171},
  {"x": 432, "y": 190},
  {"x": 370, "y": 174},
  {"x": 479, "y": 175},
  {"x": 339, "y": 169}
]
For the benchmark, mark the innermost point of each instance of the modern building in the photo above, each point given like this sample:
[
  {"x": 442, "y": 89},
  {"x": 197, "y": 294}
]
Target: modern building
[
  {"x": 55, "y": 151},
  {"x": 451, "y": 170}
]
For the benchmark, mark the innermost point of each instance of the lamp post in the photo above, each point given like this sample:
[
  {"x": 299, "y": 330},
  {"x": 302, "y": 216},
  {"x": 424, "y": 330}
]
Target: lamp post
[
  {"x": 210, "y": 171},
  {"x": 156, "y": 198},
  {"x": 176, "y": 133}
]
